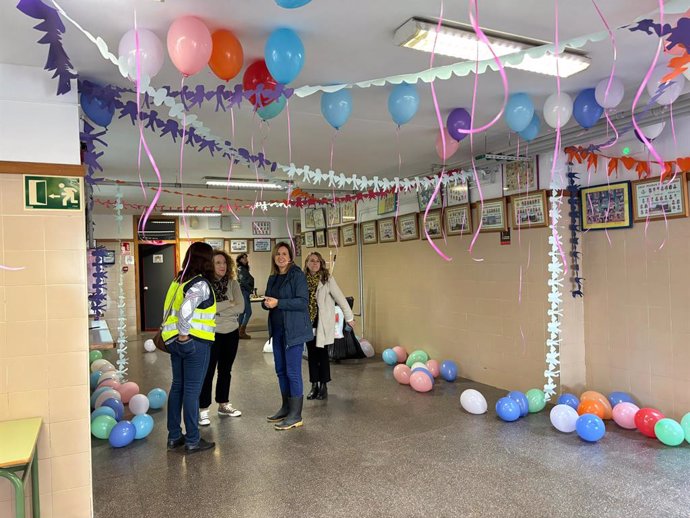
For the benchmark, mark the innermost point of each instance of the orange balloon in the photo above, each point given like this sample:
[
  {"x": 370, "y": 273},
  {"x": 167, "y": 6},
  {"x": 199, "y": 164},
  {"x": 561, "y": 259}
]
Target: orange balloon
[
  {"x": 227, "y": 55},
  {"x": 591, "y": 407},
  {"x": 592, "y": 395}
]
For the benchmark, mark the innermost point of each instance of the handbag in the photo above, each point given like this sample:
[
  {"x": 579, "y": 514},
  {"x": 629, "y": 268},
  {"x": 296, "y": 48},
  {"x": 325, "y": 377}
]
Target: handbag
[{"x": 158, "y": 337}]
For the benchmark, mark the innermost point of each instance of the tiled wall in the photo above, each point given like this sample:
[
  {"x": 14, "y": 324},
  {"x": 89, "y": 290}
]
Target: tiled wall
[{"x": 44, "y": 347}]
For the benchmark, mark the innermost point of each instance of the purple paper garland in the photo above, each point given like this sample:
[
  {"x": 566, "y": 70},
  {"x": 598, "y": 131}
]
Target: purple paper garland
[
  {"x": 99, "y": 296},
  {"x": 574, "y": 227}
]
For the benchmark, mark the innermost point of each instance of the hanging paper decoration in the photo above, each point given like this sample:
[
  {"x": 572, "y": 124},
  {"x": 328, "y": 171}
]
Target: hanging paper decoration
[
  {"x": 98, "y": 296},
  {"x": 122, "y": 359},
  {"x": 574, "y": 227}
]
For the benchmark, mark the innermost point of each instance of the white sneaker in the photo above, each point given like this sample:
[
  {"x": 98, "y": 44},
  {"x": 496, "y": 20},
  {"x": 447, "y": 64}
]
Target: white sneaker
[
  {"x": 227, "y": 409},
  {"x": 204, "y": 419}
]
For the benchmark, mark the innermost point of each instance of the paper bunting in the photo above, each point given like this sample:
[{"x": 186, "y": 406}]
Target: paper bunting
[{"x": 574, "y": 227}]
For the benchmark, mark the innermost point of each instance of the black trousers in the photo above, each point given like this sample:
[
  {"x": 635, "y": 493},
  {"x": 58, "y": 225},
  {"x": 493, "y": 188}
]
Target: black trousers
[
  {"x": 319, "y": 368},
  {"x": 223, "y": 353}
]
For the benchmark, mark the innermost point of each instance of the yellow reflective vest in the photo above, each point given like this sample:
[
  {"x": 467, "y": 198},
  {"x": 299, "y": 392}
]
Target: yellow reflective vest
[{"x": 203, "y": 323}]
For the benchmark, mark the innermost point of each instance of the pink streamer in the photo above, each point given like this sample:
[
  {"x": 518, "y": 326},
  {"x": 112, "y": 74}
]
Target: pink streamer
[
  {"x": 12, "y": 268},
  {"x": 611, "y": 75}
]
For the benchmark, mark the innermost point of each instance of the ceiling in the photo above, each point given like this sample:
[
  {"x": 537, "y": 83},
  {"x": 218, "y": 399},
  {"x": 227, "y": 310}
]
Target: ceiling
[{"x": 345, "y": 42}]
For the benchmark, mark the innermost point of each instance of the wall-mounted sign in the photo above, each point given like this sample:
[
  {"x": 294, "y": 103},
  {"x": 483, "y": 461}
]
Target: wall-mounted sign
[{"x": 53, "y": 192}]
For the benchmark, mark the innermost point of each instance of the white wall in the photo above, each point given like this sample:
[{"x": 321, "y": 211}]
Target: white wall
[
  {"x": 105, "y": 227},
  {"x": 198, "y": 228}
]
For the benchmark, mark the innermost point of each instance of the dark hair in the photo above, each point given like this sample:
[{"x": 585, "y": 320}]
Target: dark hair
[
  {"x": 246, "y": 256},
  {"x": 282, "y": 244},
  {"x": 197, "y": 261},
  {"x": 230, "y": 264},
  {"x": 323, "y": 272}
]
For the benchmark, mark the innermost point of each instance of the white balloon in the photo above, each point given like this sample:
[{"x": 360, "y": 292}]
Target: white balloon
[
  {"x": 473, "y": 402},
  {"x": 672, "y": 91},
  {"x": 97, "y": 364},
  {"x": 419, "y": 364},
  {"x": 139, "y": 404},
  {"x": 653, "y": 130},
  {"x": 558, "y": 109},
  {"x": 149, "y": 346},
  {"x": 564, "y": 418},
  {"x": 111, "y": 375},
  {"x": 615, "y": 93},
  {"x": 150, "y": 52},
  {"x": 105, "y": 395},
  {"x": 367, "y": 348}
]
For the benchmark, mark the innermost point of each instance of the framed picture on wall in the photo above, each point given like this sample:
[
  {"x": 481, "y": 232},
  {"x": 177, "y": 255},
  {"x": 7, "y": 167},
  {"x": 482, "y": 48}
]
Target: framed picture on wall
[
  {"x": 334, "y": 237},
  {"x": 387, "y": 203},
  {"x": 296, "y": 227},
  {"x": 261, "y": 228},
  {"x": 238, "y": 246},
  {"x": 493, "y": 216},
  {"x": 298, "y": 245},
  {"x": 309, "y": 218},
  {"x": 456, "y": 194},
  {"x": 348, "y": 211},
  {"x": 606, "y": 206},
  {"x": 432, "y": 225},
  {"x": 215, "y": 243},
  {"x": 262, "y": 245},
  {"x": 369, "y": 233},
  {"x": 458, "y": 220},
  {"x": 309, "y": 239},
  {"x": 424, "y": 196},
  {"x": 386, "y": 230},
  {"x": 349, "y": 235},
  {"x": 319, "y": 218},
  {"x": 320, "y": 238},
  {"x": 529, "y": 210},
  {"x": 521, "y": 176},
  {"x": 333, "y": 215},
  {"x": 654, "y": 199},
  {"x": 407, "y": 227}
]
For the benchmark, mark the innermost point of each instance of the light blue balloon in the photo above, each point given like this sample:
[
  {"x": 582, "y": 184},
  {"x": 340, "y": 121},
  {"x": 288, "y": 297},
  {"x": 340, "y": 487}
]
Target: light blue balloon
[
  {"x": 292, "y": 4},
  {"x": 143, "y": 424},
  {"x": 93, "y": 379},
  {"x": 284, "y": 55},
  {"x": 532, "y": 131},
  {"x": 103, "y": 410},
  {"x": 403, "y": 103},
  {"x": 157, "y": 398},
  {"x": 519, "y": 111},
  {"x": 336, "y": 107},
  {"x": 449, "y": 370},
  {"x": 389, "y": 357},
  {"x": 272, "y": 110},
  {"x": 508, "y": 409}
]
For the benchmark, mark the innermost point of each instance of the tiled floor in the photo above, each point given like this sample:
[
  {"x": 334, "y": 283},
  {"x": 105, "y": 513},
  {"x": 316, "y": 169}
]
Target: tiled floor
[{"x": 378, "y": 449}]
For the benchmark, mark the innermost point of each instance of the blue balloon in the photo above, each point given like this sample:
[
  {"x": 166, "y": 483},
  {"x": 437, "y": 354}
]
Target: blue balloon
[
  {"x": 586, "y": 109},
  {"x": 97, "y": 393},
  {"x": 157, "y": 398},
  {"x": 507, "y": 409},
  {"x": 93, "y": 379},
  {"x": 390, "y": 357},
  {"x": 272, "y": 110},
  {"x": 425, "y": 371},
  {"x": 569, "y": 399},
  {"x": 449, "y": 370},
  {"x": 284, "y": 55},
  {"x": 122, "y": 434},
  {"x": 336, "y": 107},
  {"x": 521, "y": 400},
  {"x": 100, "y": 112},
  {"x": 143, "y": 424},
  {"x": 292, "y": 4},
  {"x": 532, "y": 131},
  {"x": 620, "y": 397},
  {"x": 590, "y": 427},
  {"x": 103, "y": 410},
  {"x": 117, "y": 406},
  {"x": 519, "y": 112},
  {"x": 403, "y": 103}
]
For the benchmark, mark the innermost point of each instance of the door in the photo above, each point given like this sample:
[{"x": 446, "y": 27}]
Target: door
[{"x": 157, "y": 270}]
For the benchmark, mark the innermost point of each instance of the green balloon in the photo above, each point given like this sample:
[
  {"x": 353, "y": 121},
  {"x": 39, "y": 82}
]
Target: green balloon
[
  {"x": 669, "y": 432},
  {"x": 95, "y": 355},
  {"x": 102, "y": 425},
  {"x": 685, "y": 424},
  {"x": 535, "y": 400},
  {"x": 417, "y": 356}
]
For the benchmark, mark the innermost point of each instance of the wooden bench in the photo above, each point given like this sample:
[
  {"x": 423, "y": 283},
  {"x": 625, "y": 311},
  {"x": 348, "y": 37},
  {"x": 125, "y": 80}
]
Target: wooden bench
[{"x": 19, "y": 453}]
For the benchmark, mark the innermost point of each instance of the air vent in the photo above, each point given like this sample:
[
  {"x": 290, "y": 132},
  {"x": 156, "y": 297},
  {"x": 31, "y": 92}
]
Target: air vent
[{"x": 159, "y": 230}]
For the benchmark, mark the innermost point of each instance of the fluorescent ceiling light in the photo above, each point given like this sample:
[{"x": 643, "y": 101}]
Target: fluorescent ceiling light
[
  {"x": 245, "y": 184},
  {"x": 460, "y": 41},
  {"x": 189, "y": 214}
]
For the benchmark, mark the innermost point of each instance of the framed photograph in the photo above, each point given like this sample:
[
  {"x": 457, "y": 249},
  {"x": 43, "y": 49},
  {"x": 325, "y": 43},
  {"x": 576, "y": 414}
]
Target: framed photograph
[
  {"x": 334, "y": 237},
  {"x": 458, "y": 220},
  {"x": 408, "y": 228},
  {"x": 348, "y": 212},
  {"x": 333, "y": 215},
  {"x": 654, "y": 199},
  {"x": 261, "y": 228},
  {"x": 216, "y": 244},
  {"x": 369, "y": 233},
  {"x": 238, "y": 246},
  {"x": 521, "y": 176},
  {"x": 386, "y": 230},
  {"x": 529, "y": 210},
  {"x": 433, "y": 224},
  {"x": 349, "y": 235},
  {"x": 320, "y": 238},
  {"x": 319, "y": 218},
  {"x": 298, "y": 245},
  {"x": 309, "y": 239},
  {"x": 424, "y": 196},
  {"x": 493, "y": 216},
  {"x": 606, "y": 206},
  {"x": 262, "y": 245},
  {"x": 387, "y": 203},
  {"x": 109, "y": 257},
  {"x": 296, "y": 227},
  {"x": 309, "y": 218},
  {"x": 456, "y": 194}
]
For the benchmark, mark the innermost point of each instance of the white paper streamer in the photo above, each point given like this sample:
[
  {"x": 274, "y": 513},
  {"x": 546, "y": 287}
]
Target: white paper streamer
[{"x": 122, "y": 359}]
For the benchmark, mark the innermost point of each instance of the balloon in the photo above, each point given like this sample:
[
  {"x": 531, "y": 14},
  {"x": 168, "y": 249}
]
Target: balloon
[
  {"x": 669, "y": 432},
  {"x": 336, "y": 107},
  {"x": 93, "y": 379},
  {"x": 255, "y": 77},
  {"x": 473, "y": 401},
  {"x": 426, "y": 373},
  {"x": 615, "y": 93},
  {"x": 590, "y": 427},
  {"x": 103, "y": 410},
  {"x": 272, "y": 110},
  {"x": 149, "y": 346},
  {"x": 646, "y": 419},
  {"x": 189, "y": 45},
  {"x": 458, "y": 119},
  {"x": 284, "y": 55},
  {"x": 564, "y": 418},
  {"x": 452, "y": 145},
  {"x": 400, "y": 352},
  {"x": 104, "y": 396},
  {"x": 569, "y": 399},
  {"x": 109, "y": 367},
  {"x": 449, "y": 370},
  {"x": 402, "y": 374},
  {"x": 685, "y": 423},
  {"x": 650, "y": 132},
  {"x": 624, "y": 415},
  {"x": 591, "y": 407},
  {"x": 113, "y": 384},
  {"x": 417, "y": 356},
  {"x": 150, "y": 53},
  {"x": 558, "y": 109},
  {"x": 519, "y": 111},
  {"x": 507, "y": 409},
  {"x": 95, "y": 355},
  {"x": 97, "y": 393},
  {"x": 403, "y": 102},
  {"x": 586, "y": 110},
  {"x": 421, "y": 382},
  {"x": 157, "y": 398},
  {"x": 227, "y": 55},
  {"x": 532, "y": 130},
  {"x": 367, "y": 348},
  {"x": 122, "y": 434},
  {"x": 143, "y": 424},
  {"x": 672, "y": 90},
  {"x": 127, "y": 390},
  {"x": 102, "y": 425},
  {"x": 100, "y": 112},
  {"x": 619, "y": 397},
  {"x": 139, "y": 404},
  {"x": 116, "y": 405},
  {"x": 592, "y": 395},
  {"x": 389, "y": 357},
  {"x": 434, "y": 368},
  {"x": 535, "y": 400},
  {"x": 417, "y": 365},
  {"x": 291, "y": 4},
  {"x": 521, "y": 400},
  {"x": 110, "y": 375},
  {"x": 97, "y": 364}
]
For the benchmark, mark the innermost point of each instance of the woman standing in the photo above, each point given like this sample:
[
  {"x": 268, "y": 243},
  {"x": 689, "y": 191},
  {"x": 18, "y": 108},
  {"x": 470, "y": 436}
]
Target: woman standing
[
  {"x": 230, "y": 304},
  {"x": 324, "y": 293},
  {"x": 189, "y": 331},
  {"x": 287, "y": 299},
  {"x": 247, "y": 284}
]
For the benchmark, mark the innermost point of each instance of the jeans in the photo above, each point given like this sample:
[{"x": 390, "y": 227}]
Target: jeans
[
  {"x": 189, "y": 364},
  {"x": 319, "y": 366},
  {"x": 288, "y": 362},
  {"x": 244, "y": 317},
  {"x": 223, "y": 353}
]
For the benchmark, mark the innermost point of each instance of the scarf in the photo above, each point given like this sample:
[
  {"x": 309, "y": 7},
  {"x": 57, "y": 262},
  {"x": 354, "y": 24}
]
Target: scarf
[
  {"x": 220, "y": 288},
  {"x": 313, "y": 283}
]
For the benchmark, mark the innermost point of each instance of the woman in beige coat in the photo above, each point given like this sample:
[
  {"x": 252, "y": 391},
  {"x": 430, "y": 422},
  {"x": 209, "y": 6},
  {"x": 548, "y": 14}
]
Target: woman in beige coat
[{"x": 324, "y": 294}]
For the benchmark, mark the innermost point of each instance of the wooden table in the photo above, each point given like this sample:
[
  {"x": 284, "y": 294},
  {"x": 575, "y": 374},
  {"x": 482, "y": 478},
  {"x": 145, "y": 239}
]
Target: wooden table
[
  {"x": 99, "y": 335},
  {"x": 19, "y": 452}
]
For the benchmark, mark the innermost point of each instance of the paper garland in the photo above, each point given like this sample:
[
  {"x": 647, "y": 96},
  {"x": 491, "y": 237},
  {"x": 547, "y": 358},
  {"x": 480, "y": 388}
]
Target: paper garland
[
  {"x": 122, "y": 359},
  {"x": 555, "y": 313},
  {"x": 574, "y": 227},
  {"x": 98, "y": 297}
]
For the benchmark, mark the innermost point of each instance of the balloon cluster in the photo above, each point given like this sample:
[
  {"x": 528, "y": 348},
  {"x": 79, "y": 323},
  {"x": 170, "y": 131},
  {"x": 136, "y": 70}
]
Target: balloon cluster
[
  {"x": 517, "y": 404},
  {"x": 417, "y": 370}
]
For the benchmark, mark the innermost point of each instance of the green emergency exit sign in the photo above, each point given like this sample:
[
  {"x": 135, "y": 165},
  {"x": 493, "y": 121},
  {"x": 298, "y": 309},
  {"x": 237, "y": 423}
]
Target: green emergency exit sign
[{"x": 53, "y": 192}]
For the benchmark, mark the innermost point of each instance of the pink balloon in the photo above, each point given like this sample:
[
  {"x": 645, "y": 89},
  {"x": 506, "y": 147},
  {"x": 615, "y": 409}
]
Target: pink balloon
[
  {"x": 401, "y": 373},
  {"x": 421, "y": 382},
  {"x": 452, "y": 145},
  {"x": 434, "y": 368},
  {"x": 624, "y": 415},
  {"x": 128, "y": 390},
  {"x": 400, "y": 353},
  {"x": 189, "y": 45},
  {"x": 113, "y": 384}
]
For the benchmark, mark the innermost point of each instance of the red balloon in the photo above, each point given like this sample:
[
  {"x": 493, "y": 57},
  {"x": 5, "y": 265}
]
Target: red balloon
[
  {"x": 257, "y": 74},
  {"x": 646, "y": 419}
]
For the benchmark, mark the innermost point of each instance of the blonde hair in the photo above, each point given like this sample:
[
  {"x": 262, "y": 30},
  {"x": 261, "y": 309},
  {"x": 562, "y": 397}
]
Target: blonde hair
[{"x": 323, "y": 272}]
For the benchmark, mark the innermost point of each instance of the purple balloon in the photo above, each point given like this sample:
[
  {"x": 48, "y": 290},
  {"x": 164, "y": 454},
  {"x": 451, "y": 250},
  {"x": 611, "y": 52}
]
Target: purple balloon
[
  {"x": 117, "y": 406},
  {"x": 459, "y": 119}
]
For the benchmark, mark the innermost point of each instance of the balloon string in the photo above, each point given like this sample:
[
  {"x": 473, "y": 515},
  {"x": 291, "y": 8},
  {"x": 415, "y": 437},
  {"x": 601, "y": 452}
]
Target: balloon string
[
  {"x": 330, "y": 164},
  {"x": 611, "y": 75},
  {"x": 287, "y": 221},
  {"x": 613, "y": 127},
  {"x": 289, "y": 128},
  {"x": 232, "y": 163},
  {"x": 673, "y": 131},
  {"x": 184, "y": 129}
]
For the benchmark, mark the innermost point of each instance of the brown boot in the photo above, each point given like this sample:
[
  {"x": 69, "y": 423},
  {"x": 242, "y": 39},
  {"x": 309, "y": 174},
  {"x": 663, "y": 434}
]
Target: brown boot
[{"x": 243, "y": 333}]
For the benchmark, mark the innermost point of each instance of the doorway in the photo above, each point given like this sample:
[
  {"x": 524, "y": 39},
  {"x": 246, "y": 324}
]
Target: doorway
[{"x": 157, "y": 269}]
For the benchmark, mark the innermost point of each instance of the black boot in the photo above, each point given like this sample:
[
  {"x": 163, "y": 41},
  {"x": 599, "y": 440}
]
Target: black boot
[
  {"x": 314, "y": 391},
  {"x": 282, "y": 413},
  {"x": 323, "y": 391},
  {"x": 294, "y": 417}
]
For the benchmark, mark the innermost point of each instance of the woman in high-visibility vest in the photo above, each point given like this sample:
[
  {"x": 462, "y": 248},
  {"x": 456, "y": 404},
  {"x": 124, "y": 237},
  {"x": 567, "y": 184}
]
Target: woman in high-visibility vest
[{"x": 189, "y": 331}]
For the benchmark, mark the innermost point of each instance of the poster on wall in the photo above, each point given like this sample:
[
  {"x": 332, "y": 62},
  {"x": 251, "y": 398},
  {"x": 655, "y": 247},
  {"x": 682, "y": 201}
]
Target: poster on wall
[
  {"x": 387, "y": 203},
  {"x": 458, "y": 194},
  {"x": 309, "y": 218},
  {"x": 348, "y": 212},
  {"x": 654, "y": 199},
  {"x": 333, "y": 237},
  {"x": 369, "y": 233},
  {"x": 261, "y": 228},
  {"x": 521, "y": 176},
  {"x": 333, "y": 215},
  {"x": 238, "y": 246},
  {"x": 309, "y": 239},
  {"x": 319, "y": 218},
  {"x": 386, "y": 230},
  {"x": 349, "y": 235},
  {"x": 262, "y": 245},
  {"x": 424, "y": 197},
  {"x": 606, "y": 206},
  {"x": 493, "y": 215},
  {"x": 529, "y": 211},
  {"x": 320, "y": 238},
  {"x": 407, "y": 227},
  {"x": 432, "y": 225},
  {"x": 458, "y": 220},
  {"x": 216, "y": 244}
]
